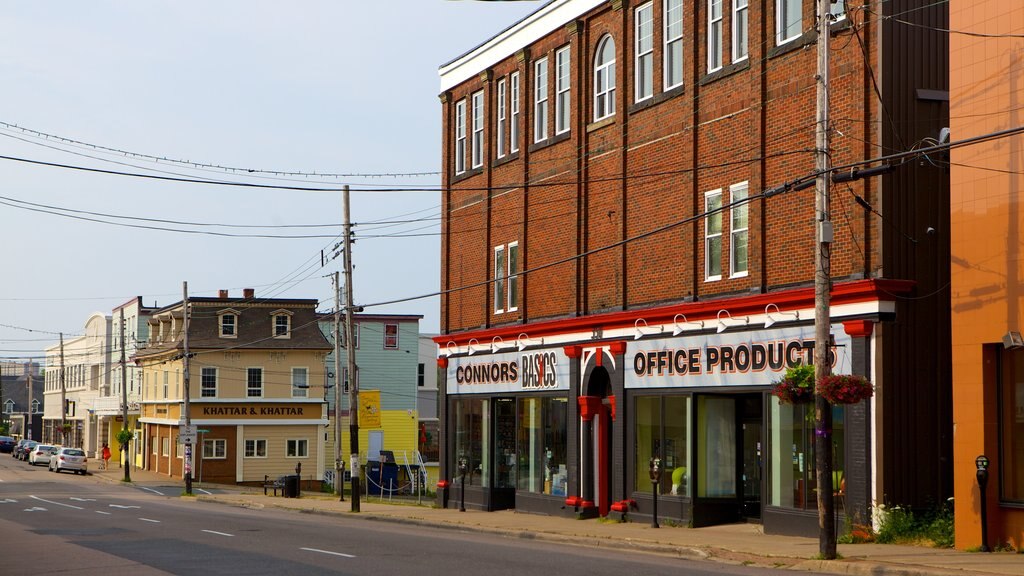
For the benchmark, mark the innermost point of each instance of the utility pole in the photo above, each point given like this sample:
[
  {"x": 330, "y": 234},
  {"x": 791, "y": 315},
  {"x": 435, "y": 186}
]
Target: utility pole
[
  {"x": 124, "y": 402},
  {"x": 353, "y": 380},
  {"x": 28, "y": 425},
  {"x": 339, "y": 481},
  {"x": 63, "y": 396},
  {"x": 188, "y": 414},
  {"x": 822, "y": 286}
]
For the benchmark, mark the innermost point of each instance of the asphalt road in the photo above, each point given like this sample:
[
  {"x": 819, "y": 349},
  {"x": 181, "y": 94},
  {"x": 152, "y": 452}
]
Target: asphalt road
[{"x": 69, "y": 524}]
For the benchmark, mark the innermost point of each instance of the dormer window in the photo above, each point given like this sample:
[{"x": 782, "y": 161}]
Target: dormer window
[
  {"x": 9, "y": 406},
  {"x": 228, "y": 322},
  {"x": 282, "y": 323}
]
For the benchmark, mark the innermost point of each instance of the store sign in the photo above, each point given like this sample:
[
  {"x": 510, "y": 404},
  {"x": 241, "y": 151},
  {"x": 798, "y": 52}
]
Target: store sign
[
  {"x": 732, "y": 359},
  {"x": 531, "y": 371}
]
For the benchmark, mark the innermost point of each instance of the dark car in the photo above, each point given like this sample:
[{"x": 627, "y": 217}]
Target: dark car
[
  {"x": 7, "y": 443},
  {"x": 17, "y": 447},
  {"x": 25, "y": 449}
]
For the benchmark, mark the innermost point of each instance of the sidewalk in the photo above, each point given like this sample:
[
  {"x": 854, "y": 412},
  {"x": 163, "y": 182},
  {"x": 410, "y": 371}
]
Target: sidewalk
[{"x": 734, "y": 543}]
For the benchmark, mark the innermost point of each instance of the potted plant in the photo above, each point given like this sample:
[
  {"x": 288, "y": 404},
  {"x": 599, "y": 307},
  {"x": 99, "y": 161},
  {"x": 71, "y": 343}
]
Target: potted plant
[
  {"x": 845, "y": 389},
  {"x": 797, "y": 386}
]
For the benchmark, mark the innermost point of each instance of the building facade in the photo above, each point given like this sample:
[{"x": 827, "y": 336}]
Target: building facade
[
  {"x": 386, "y": 355},
  {"x": 77, "y": 373},
  {"x": 21, "y": 399},
  {"x": 255, "y": 385},
  {"x": 988, "y": 355},
  {"x": 108, "y": 407},
  {"x": 628, "y": 260}
]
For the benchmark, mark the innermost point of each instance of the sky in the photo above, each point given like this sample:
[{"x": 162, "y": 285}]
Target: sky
[{"x": 347, "y": 88}]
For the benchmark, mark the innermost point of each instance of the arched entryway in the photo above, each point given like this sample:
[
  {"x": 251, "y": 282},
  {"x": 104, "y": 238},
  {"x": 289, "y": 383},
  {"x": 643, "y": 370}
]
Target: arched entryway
[{"x": 597, "y": 412}]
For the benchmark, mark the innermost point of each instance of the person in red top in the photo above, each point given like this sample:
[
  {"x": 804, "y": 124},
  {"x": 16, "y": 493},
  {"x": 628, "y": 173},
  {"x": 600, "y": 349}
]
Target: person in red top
[{"x": 106, "y": 455}]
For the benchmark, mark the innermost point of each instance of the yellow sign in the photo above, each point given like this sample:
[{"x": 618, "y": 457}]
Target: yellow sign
[{"x": 369, "y": 409}]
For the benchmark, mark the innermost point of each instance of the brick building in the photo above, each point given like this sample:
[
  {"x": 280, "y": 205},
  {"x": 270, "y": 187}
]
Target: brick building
[{"x": 618, "y": 287}]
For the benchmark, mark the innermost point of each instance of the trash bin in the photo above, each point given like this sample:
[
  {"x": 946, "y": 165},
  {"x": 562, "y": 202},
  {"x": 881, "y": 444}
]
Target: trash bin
[
  {"x": 291, "y": 486},
  {"x": 381, "y": 478}
]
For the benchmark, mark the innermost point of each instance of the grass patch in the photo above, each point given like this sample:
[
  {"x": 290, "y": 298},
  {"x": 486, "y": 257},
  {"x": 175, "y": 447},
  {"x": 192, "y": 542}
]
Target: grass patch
[{"x": 899, "y": 525}]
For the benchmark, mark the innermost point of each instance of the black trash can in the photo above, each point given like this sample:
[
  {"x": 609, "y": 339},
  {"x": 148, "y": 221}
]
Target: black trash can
[{"x": 291, "y": 486}]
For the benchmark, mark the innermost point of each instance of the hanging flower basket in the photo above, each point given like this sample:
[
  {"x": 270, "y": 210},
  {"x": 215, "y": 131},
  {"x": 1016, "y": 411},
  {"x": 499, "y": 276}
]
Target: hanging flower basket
[
  {"x": 845, "y": 389},
  {"x": 796, "y": 387}
]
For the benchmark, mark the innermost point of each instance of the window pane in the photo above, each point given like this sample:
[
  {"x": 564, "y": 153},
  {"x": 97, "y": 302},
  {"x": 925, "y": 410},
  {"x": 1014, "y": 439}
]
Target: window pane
[
  {"x": 644, "y": 52},
  {"x": 717, "y": 432},
  {"x": 675, "y": 458},
  {"x": 300, "y": 385},
  {"x": 471, "y": 440},
  {"x": 648, "y": 438},
  {"x": 513, "y": 278},
  {"x": 254, "y": 382},
  {"x": 499, "y": 279}
]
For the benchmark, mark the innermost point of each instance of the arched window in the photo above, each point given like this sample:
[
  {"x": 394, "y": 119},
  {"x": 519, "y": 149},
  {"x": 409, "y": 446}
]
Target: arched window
[
  {"x": 9, "y": 406},
  {"x": 604, "y": 79}
]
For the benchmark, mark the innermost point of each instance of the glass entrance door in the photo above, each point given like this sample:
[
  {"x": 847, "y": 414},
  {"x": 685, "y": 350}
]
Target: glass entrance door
[
  {"x": 752, "y": 421},
  {"x": 716, "y": 469}
]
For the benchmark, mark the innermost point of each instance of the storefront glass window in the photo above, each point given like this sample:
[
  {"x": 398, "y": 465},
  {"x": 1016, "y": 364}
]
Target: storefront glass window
[
  {"x": 505, "y": 443},
  {"x": 793, "y": 481},
  {"x": 472, "y": 421},
  {"x": 1011, "y": 425},
  {"x": 542, "y": 454},
  {"x": 716, "y": 431},
  {"x": 665, "y": 437}
]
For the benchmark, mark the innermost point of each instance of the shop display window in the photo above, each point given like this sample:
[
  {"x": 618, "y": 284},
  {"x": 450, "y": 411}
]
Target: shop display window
[
  {"x": 472, "y": 421},
  {"x": 542, "y": 437},
  {"x": 661, "y": 430},
  {"x": 792, "y": 479}
]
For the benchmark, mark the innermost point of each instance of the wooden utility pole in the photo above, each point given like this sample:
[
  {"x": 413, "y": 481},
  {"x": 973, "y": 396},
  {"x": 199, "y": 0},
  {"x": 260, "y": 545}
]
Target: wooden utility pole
[
  {"x": 353, "y": 379},
  {"x": 822, "y": 286},
  {"x": 124, "y": 402},
  {"x": 188, "y": 414},
  {"x": 339, "y": 481},
  {"x": 63, "y": 396}
]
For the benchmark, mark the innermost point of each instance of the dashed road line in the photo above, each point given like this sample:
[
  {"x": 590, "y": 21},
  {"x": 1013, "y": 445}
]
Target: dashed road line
[
  {"x": 149, "y": 520},
  {"x": 327, "y": 552},
  {"x": 218, "y": 533},
  {"x": 121, "y": 506},
  {"x": 57, "y": 503},
  {"x": 102, "y": 512}
]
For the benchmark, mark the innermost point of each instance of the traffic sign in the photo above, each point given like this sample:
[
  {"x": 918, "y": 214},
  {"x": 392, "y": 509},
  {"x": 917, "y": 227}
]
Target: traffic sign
[{"x": 187, "y": 434}]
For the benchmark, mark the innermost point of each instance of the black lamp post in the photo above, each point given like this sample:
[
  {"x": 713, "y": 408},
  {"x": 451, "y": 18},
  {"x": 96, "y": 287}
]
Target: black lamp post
[
  {"x": 981, "y": 462},
  {"x": 655, "y": 479}
]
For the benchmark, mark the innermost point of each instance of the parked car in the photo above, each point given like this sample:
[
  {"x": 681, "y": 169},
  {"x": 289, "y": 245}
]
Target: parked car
[
  {"x": 17, "y": 447},
  {"x": 73, "y": 459},
  {"x": 41, "y": 454},
  {"x": 7, "y": 444},
  {"x": 25, "y": 449}
]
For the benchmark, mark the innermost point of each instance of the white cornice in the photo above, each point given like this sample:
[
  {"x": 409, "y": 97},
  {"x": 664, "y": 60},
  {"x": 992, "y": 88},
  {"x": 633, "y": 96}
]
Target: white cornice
[{"x": 522, "y": 34}]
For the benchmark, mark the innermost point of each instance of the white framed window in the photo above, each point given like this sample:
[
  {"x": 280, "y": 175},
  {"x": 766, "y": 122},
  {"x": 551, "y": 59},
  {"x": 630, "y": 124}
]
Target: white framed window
[
  {"x": 540, "y": 100},
  {"x": 477, "y": 144},
  {"x": 254, "y": 382},
  {"x": 165, "y": 446},
  {"x": 35, "y": 406},
  {"x": 215, "y": 449},
  {"x": 513, "y": 277},
  {"x": 300, "y": 382},
  {"x": 513, "y": 125},
  {"x": 297, "y": 448},
  {"x": 228, "y": 325},
  {"x": 713, "y": 235},
  {"x": 740, "y": 30},
  {"x": 838, "y": 10},
  {"x": 788, "y": 20},
  {"x": 604, "y": 79},
  {"x": 282, "y": 324},
  {"x": 9, "y": 406},
  {"x": 391, "y": 336},
  {"x": 499, "y": 279},
  {"x": 460, "y": 136},
  {"x": 179, "y": 448},
  {"x": 256, "y": 448},
  {"x": 738, "y": 230},
  {"x": 208, "y": 382},
  {"x": 562, "y": 86},
  {"x": 673, "y": 66},
  {"x": 643, "y": 70},
  {"x": 155, "y": 447},
  {"x": 166, "y": 385},
  {"x": 355, "y": 335},
  {"x": 714, "y": 35},
  {"x": 499, "y": 140}
]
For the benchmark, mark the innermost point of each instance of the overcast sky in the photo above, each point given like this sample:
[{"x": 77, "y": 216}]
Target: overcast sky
[{"x": 340, "y": 87}]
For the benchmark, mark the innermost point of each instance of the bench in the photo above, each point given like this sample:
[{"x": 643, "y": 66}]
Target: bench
[{"x": 275, "y": 485}]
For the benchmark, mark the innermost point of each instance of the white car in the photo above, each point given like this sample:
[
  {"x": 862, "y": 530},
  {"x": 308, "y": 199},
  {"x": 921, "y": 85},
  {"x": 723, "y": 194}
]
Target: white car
[
  {"x": 73, "y": 459},
  {"x": 41, "y": 454}
]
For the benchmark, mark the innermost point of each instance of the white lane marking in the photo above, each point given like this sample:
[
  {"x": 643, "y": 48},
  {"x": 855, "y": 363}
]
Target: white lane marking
[
  {"x": 35, "y": 509},
  {"x": 218, "y": 533},
  {"x": 327, "y": 552},
  {"x": 203, "y": 491},
  {"x": 8, "y": 501},
  {"x": 82, "y": 499},
  {"x": 102, "y": 512},
  {"x": 57, "y": 503},
  {"x": 149, "y": 520},
  {"x": 120, "y": 506},
  {"x": 153, "y": 491}
]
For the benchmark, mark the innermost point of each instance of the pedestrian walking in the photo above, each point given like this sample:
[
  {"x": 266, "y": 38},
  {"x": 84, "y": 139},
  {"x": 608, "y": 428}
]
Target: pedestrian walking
[{"x": 106, "y": 455}]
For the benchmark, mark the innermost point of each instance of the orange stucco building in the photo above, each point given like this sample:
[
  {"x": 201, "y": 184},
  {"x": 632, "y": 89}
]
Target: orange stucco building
[{"x": 987, "y": 97}]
